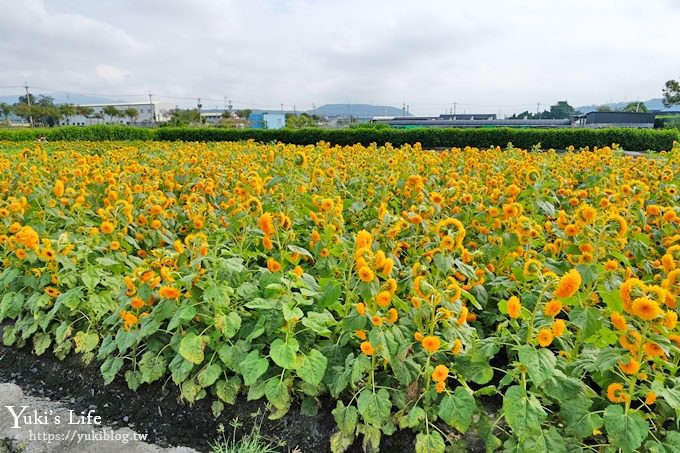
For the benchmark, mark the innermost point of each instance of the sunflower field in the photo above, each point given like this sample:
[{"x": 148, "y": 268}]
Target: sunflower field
[{"x": 525, "y": 296}]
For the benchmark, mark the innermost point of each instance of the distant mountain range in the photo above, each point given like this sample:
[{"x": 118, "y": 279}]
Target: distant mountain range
[
  {"x": 655, "y": 104},
  {"x": 357, "y": 110}
]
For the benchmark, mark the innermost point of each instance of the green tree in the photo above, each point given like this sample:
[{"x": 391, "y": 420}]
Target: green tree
[
  {"x": 6, "y": 109},
  {"x": 112, "y": 112},
  {"x": 635, "y": 107},
  {"x": 181, "y": 117},
  {"x": 562, "y": 110},
  {"x": 671, "y": 93},
  {"x": 604, "y": 108},
  {"x": 131, "y": 113},
  {"x": 85, "y": 110},
  {"x": 67, "y": 111}
]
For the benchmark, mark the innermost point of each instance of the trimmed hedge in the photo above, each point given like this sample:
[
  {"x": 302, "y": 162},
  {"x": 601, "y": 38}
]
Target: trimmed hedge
[
  {"x": 79, "y": 133},
  {"x": 629, "y": 139}
]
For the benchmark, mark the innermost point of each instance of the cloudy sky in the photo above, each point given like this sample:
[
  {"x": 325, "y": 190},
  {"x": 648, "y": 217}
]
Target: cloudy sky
[{"x": 499, "y": 56}]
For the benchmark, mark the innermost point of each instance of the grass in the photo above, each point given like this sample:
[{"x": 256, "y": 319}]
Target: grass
[{"x": 253, "y": 442}]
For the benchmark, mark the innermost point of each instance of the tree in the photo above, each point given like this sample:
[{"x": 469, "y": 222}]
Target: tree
[
  {"x": 671, "y": 93},
  {"x": 6, "y": 109},
  {"x": 41, "y": 109},
  {"x": 180, "y": 117},
  {"x": 604, "y": 108},
  {"x": 112, "y": 112},
  {"x": 85, "y": 110},
  {"x": 635, "y": 107},
  {"x": 67, "y": 111},
  {"x": 562, "y": 110},
  {"x": 131, "y": 113}
]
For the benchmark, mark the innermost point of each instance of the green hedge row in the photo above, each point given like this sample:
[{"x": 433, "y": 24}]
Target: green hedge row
[
  {"x": 629, "y": 139},
  {"x": 79, "y": 133}
]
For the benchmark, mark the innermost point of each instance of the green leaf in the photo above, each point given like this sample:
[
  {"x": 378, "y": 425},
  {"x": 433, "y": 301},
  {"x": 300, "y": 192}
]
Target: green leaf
[
  {"x": 587, "y": 319},
  {"x": 313, "y": 367},
  {"x": 579, "y": 420},
  {"x": 346, "y": 418},
  {"x": 330, "y": 293},
  {"x": 292, "y": 311},
  {"x": 413, "y": 418},
  {"x": 316, "y": 322},
  {"x": 284, "y": 353},
  {"x": 625, "y": 431},
  {"x": 476, "y": 371},
  {"x": 209, "y": 375},
  {"x": 300, "y": 251},
  {"x": 180, "y": 369},
  {"x": 259, "y": 303},
  {"x": 41, "y": 341},
  {"x": 277, "y": 393},
  {"x": 86, "y": 342},
  {"x": 252, "y": 367},
  {"x": 671, "y": 444},
  {"x": 228, "y": 390},
  {"x": 611, "y": 297},
  {"x": 191, "y": 347},
  {"x": 90, "y": 278},
  {"x": 110, "y": 368},
  {"x": 133, "y": 379},
  {"x": 374, "y": 407},
  {"x": 523, "y": 413},
  {"x": 190, "y": 390},
  {"x": 229, "y": 324},
  {"x": 152, "y": 366},
  {"x": 457, "y": 409},
  {"x": 540, "y": 363},
  {"x": 340, "y": 443},
  {"x": 430, "y": 443},
  {"x": 183, "y": 314}
]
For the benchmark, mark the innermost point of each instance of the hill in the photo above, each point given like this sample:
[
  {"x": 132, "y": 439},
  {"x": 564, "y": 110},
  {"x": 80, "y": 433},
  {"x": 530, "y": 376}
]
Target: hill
[
  {"x": 655, "y": 104},
  {"x": 356, "y": 110}
]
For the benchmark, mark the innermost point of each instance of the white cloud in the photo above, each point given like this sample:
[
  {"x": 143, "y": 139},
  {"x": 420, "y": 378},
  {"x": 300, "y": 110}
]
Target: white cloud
[{"x": 487, "y": 55}]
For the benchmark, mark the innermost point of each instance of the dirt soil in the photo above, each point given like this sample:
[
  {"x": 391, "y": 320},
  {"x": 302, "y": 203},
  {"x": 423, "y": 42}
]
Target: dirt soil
[{"x": 157, "y": 410}]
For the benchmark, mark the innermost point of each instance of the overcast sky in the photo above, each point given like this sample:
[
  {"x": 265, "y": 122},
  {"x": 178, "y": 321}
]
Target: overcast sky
[{"x": 500, "y": 56}]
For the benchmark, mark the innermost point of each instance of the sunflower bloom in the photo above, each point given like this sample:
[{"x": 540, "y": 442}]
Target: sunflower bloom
[
  {"x": 650, "y": 398},
  {"x": 559, "y": 327},
  {"x": 645, "y": 308},
  {"x": 168, "y": 292},
  {"x": 457, "y": 347},
  {"x": 552, "y": 308},
  {"x": 632, "y": 367},
  {"x": 440, "y": 373},
  {"x": 367, "y": 348},
  {"x": 615, "y": 393},
  {"x": 366, "y": 274},
  {"x": 273, "y": 265},
  {"x": 544, "y": 337},
  {"x": 392, "y": 315},
  {"x": 514, "y": 307},
  {"x": 360, "y": 308},
  {"x": 568, "y": 284},
  {"x": 431, "y": 343},
  {"x": 619, "y": 321}
]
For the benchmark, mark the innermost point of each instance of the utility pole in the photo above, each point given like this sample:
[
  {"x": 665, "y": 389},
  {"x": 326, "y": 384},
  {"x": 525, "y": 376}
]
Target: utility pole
[
  {"x": 28, "y": 101},
  {"x": 199, "y": 105},
  {"x": 538, "y": 108},
  {"x": 454, "y": 107},
  {"x": 153, "y": 110},
  {"x": 403, "y": 109}
]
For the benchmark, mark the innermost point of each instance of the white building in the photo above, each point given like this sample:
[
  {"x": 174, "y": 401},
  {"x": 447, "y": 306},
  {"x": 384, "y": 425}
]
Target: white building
[{"x": 147, "y": 114}]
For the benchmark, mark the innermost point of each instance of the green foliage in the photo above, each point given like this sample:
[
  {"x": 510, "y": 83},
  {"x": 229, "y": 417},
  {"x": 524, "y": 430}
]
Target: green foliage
[
  {"x": 671, "y": 93},
  {"x": 629, "y": 139},
  {"x": 93, "y": 133}
]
